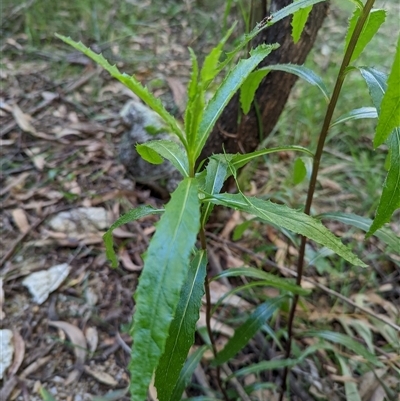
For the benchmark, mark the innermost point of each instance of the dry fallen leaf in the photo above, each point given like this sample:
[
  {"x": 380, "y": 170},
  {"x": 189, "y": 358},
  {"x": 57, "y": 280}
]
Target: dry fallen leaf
[
  {"x": 92, "y": 338},
  {"x": 21, "y": 220},
  {"x": 7, "y": 350},
  {"x": 19, "y": 352},
  {"x": 218, "y": 290},
  {"x": 23, "y": 120},
  {"x": 216, "y": 325},
  {"x": 101, "y": 376},
  {"x": 40, "y": 284},
  {"x": 76, "y": 337},
  {"x": 126, "y": 261}
]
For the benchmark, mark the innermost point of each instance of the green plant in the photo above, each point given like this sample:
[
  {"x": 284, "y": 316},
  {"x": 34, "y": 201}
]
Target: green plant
[{"x": 174, "y": 277}]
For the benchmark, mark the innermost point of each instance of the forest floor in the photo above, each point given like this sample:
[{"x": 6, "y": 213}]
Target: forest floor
[{"x": 62, "y": 186}]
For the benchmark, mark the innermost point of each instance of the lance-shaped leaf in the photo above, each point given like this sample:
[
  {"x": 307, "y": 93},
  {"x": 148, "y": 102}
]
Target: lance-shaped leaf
[
  {"x": 343, "y": 339},
  {"x": 216, "y": 174},
  {"x": 376, "y": 82},
  {"x": 240, "y": 160},
  {"x": 187, "y": 372},
  {"x": 165, "y": 270},
  {"x": 384, "y": 234},
  {"x": 370, "y": 28},
  {"x": 356, "y": 114},
  {"x": 247, "y": 330},
  {"x": 131, "y": 83},
  {"x": 170, "y": 150},
  {"x": 390, "y": 198},
  {"x": 133, "y": 214},
  {"x": 181, "y": 332},
  {"x": 389, "y": 116},
  {"x": 269, "y": 279},
  {"x": 299, "y": 22},
  {"x": 251, "y": 84},
  {"x": 289, "y": 219},
  {"x": 225, "y": 91}
]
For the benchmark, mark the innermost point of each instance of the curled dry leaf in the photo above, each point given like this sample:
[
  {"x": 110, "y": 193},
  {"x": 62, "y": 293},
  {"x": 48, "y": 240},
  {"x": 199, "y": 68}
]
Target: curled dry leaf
[
  {"x": 40, "y": 284},
  {"x": 76, "y": 337},
  {"x": 127, "y": 262},
  {"x": 101, "y": 376},
  {"x": 21, "y": 220},
  {"x": 7, "y": 350},
  {"x": 19, "y": 352}
]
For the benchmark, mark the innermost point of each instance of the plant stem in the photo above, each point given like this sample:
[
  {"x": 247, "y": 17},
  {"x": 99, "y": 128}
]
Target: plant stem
[
  {"x": 317, "y": 158},
  {"x": 208, "y": 318}
]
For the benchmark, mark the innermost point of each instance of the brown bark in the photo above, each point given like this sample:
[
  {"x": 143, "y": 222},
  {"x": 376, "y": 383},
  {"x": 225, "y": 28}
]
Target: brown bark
[{"x": 274, "y": 90}]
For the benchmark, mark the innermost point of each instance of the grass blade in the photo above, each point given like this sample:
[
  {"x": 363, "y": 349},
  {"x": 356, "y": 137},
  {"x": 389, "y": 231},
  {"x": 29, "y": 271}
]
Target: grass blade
[
  {"x": 247, "y": 330},
  {"x": 181, "y": 332},
  {"x": 164, "y": 273},
  {"x": 385, "y": 235},
  {"x": 269, "y": 279}
]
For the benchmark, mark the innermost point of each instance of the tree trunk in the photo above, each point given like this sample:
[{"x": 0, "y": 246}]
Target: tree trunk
[{"x": 274, "y": 90}]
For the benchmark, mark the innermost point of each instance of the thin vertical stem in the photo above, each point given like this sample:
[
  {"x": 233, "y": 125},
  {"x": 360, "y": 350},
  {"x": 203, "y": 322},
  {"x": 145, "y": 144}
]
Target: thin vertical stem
[{"x": 317, "y": 159}]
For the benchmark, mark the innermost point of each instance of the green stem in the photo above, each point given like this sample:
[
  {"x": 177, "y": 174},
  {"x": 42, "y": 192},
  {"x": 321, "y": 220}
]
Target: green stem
[{"x": 317, "y": 158}]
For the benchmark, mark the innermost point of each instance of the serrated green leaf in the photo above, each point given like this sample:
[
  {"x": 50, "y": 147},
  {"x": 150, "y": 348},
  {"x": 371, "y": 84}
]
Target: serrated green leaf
[
  {"x": 131, "y": 83},
  {"x": 187, "y": 372},
  {"x": 289, "y": 219},
  {"x": 350, "y": 387},
  {"x": 389, "y": 116},
  {"x": 46, "y": 396},
  {"x": 181, "y": 332},
  {"x": 356, "y": 114},
  {"x": 299, "y": 171},
  {"x": 232, "y": 82},
  {"x": 390, "y": 198},
  {"x": 384, "y": 234},
  {"x": 240, "y": 160},
  {"x": 374, "y": 21},
  {"x": 133, "y": 214},
  {"x": 247, "y": 330},
  {"x": 299, "y": 22},
  {"x": 376, "y": 82},
  {"x": 210, "y": 66},
  {"x": 169, "y": 150},
  {"x": 249, "y": 87},
  {"x": 274, "y": 18},
  {"x": 346, "y": 341},
  {"x": 269, "y": 279},
  {"x": 165, "y": 270}
]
